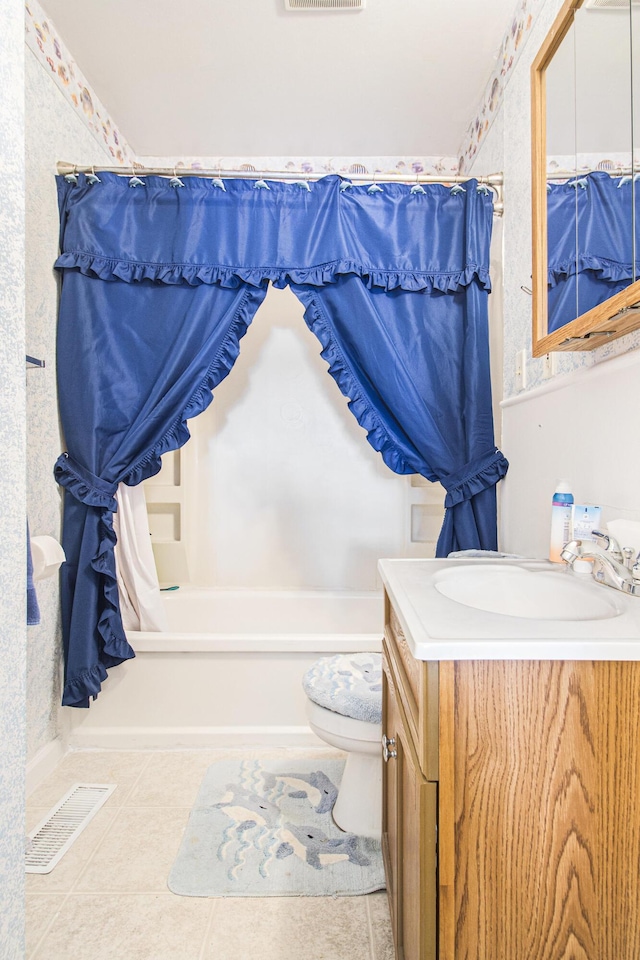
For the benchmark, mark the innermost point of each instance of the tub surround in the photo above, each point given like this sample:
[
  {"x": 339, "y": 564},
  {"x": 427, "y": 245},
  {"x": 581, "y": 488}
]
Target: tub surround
[{"x": 52, "y": 128}]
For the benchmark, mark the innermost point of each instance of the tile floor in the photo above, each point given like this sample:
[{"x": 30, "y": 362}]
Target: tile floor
[{"x": 108, "y": 898}]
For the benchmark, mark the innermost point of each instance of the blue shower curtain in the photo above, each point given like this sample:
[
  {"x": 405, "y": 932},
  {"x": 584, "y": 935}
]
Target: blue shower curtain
[
  {"x": 160, "y": 281},
  {"x": 590, "y": 227}
]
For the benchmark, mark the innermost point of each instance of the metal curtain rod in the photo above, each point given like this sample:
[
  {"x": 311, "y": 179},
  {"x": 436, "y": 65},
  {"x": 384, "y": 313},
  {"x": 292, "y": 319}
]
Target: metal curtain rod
[
  {"x": 577, "y": 174},
  {"x": 493, "y": 180}
]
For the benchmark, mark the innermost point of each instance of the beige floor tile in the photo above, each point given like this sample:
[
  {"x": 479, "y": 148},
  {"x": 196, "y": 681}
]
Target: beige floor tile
[
  {"x": 88, "y": 766},
  {"x": 173, "y": 778},
  {"x": 137, "y": 852},
  {"x": 119, "y": 905},
  {"x": 288, "y": 928},
  {"x": 66, "y": 872},
  {"x": 40, "y": 909},
  {"x": 127, "y": 928},
  {"x": 381, "y": 933}
]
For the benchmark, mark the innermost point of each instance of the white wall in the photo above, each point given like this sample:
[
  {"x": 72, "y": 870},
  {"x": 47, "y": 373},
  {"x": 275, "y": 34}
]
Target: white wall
[
  {"x": 289, "y": 493},
  {"x": 53, "y": 131},
  {"x": 592, "y": 419},
  {"x": 12, "y": 483},
  {"x": 582, "y": 427}
]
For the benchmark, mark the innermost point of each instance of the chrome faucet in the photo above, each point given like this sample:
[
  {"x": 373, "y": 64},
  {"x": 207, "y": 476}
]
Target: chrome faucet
[{"x": 611, "y": 565}]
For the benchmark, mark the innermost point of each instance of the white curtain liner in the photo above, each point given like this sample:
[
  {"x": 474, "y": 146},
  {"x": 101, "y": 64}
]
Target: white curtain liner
[{"x": 140, "y": 600}]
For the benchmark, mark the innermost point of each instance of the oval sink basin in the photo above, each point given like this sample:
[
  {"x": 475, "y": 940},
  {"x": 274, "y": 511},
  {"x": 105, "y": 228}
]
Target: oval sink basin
[{"x": 517, "y": 592}]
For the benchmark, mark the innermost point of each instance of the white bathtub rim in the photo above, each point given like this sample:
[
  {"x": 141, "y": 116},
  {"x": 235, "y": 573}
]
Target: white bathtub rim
[
  {"x": 198, "y": 610},
  {"x": 175, "y": 642},
  {"x": 194, "y": 589}
]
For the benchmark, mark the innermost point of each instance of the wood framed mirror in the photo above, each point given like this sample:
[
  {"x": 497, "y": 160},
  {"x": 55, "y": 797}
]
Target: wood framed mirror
[{"x": 586, "y": 177}]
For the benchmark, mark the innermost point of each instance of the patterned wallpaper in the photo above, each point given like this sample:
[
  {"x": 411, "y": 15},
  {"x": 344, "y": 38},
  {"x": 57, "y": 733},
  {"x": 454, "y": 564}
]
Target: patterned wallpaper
[
  {"x": 507, "y": 146},
  {"x": 585, "y": 162},
  {"x": 43, "y": 39},
  {"x": 12, "y": 485},
  {"x": 52, "y": 131},
  {"x": 512, "y": 46}
]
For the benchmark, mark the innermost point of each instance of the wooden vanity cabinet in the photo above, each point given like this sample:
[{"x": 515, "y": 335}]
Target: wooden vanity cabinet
[
  {"x": 410, "y": 797},
  {"x": 511, "y": 806},
  {"x": 409, "y": 836}
]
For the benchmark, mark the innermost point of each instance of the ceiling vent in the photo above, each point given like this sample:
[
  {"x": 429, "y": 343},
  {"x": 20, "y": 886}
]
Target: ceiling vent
[
  {"x": 609, "y": 4},
  {"x": 324, "y": 4}
]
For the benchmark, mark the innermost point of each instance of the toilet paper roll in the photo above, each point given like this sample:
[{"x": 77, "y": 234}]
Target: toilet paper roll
[
  {"x": 47, "y": 555},
  {"x": 626, "y": 532}
]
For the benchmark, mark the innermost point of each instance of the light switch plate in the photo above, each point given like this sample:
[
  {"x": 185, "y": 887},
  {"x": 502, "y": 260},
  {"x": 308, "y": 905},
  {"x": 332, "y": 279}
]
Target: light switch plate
[{"x": 521, "y": 369}]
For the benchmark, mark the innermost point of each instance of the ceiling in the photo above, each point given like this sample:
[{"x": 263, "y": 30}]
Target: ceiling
[{"x": 233, "y": 78}]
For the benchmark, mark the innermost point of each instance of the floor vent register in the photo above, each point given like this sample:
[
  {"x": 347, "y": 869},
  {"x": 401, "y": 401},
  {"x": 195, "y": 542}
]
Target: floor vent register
[{"x": 64, "y": 823}]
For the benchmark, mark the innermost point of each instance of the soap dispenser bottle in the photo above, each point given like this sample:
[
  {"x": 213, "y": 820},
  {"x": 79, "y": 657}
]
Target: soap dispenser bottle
[{"x": 561, "y": 519}]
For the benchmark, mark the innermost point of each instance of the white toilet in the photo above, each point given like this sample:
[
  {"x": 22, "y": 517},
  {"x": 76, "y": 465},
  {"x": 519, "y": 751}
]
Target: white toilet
[{"x": 344, "y": 707}]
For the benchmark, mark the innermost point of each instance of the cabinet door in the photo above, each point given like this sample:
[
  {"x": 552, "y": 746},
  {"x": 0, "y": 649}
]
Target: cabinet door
[
  {"x": 417, "y": 683},
  {"x": 390, "y": 813},
  {"x": 409, "y": 836}
]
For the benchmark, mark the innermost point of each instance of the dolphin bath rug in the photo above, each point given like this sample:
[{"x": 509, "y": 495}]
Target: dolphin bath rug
[{"x": 264, "y": 829}]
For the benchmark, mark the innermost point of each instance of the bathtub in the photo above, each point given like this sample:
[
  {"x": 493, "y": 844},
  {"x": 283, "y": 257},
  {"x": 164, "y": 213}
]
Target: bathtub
[{"x": 228, "y": 672}]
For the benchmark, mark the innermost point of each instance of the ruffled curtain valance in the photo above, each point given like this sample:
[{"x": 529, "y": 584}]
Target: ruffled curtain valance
[
  {"x": 160, "y": 282},
  {"x": 282, "y": 233},
  {"x": 590, "y": 226}
]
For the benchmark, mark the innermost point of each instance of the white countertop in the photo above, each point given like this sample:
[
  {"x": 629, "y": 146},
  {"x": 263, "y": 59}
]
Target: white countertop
[{"x": 438, "y": 628}]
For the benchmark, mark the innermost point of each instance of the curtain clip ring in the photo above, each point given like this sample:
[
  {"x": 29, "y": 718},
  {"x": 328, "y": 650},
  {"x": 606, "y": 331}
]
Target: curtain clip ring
[{"x": 135, "y": 180}]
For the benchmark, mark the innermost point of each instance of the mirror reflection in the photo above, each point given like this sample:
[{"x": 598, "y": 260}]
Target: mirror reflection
[
  {"x": 589, "y": 161},
  {"x": 635, "y": 120}
]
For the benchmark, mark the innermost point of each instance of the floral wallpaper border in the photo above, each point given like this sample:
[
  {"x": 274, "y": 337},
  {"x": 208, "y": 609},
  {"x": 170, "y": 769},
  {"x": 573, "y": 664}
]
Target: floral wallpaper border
[
  {"x": 575, "y": 164},
  {"x": 513, "y": 43},
  {"x": 406, "y": 166},
  {"x": 43, "y": 39}
]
